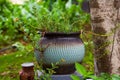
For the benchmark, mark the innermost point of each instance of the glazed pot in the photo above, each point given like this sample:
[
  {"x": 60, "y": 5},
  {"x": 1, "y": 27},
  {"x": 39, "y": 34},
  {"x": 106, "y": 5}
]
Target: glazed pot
[{"x": 60, "y": 47}]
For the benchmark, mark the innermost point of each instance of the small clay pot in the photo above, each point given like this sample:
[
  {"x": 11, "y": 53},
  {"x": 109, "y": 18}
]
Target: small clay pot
[{"x": 27, "y": 72}]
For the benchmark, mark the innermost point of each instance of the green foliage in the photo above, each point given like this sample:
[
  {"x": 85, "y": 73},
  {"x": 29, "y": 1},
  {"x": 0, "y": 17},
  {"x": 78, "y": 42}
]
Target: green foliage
[
  {"x": 46, "y": 74},
  {"x": 21, "y": 21},
  {"x": 74, "y": 77},
  {"x": 89, "y": 75},
  {"x": 88, "y": 60},
  {"x": 11, "y": 63},
  {"x": 82, "y": 70},
  {"x": 115, "y": 77},
  {"x": 61, "y": 19}
]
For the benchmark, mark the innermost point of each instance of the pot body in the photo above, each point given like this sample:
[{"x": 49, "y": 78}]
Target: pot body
[{"x": 63, "y": 48}]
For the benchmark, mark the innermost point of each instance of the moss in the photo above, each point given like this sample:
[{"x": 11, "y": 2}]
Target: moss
[{"x": 101, "y": 51}]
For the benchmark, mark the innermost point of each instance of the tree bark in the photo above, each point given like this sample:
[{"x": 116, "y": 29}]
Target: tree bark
[{"x": 105, "y": 17}]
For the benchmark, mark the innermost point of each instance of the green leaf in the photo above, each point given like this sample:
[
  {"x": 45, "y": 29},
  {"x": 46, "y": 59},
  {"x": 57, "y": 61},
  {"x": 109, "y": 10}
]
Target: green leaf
[
  {"x": 2, "y": 1},
  {"x": 80, "y": 1},
  {"x": 80, "y": 69},
  {"x": 89, "y": 73},
  {"x": 74, "y": 77},
  {"x": 115, "y": 77},
  {"x": 93, "y": 77}
]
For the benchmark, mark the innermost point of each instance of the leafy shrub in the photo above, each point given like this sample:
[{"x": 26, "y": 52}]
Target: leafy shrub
[{"x": 20, "y": 21}]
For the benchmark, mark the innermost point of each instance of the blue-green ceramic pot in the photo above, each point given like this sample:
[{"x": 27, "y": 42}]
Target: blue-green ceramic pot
[{"x": 60, "y": 47}]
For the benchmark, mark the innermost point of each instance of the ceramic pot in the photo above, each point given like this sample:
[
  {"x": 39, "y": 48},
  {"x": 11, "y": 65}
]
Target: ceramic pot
[{"x": 60, "y": 47}]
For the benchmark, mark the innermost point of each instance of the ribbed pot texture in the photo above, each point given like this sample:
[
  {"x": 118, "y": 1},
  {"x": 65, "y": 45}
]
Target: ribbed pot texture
[{"x": 60, "y": 47}]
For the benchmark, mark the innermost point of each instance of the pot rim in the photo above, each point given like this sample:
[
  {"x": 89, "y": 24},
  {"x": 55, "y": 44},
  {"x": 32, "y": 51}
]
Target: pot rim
[{"x": 61, "y": 34}]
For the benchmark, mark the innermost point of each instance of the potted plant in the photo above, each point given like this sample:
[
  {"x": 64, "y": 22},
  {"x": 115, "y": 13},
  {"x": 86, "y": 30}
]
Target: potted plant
[
  {"x": 60, "y": 30},
  {"x": 63, "y": 48}
]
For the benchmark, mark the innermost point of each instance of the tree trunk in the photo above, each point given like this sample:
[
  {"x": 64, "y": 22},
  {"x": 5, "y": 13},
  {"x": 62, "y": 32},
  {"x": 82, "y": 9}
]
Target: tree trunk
[{"x": 105, "y": 16}]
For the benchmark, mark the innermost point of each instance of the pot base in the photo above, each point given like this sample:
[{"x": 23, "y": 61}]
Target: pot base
[
  {"x": 62, "y": 76},
  {"x": 62, "y": 69}
]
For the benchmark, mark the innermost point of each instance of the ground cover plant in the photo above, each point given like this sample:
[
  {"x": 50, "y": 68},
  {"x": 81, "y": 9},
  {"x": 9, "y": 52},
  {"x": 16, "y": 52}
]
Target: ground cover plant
[
  {"x": 90, "y": 75},
  {"x": 11, "y": 63}
]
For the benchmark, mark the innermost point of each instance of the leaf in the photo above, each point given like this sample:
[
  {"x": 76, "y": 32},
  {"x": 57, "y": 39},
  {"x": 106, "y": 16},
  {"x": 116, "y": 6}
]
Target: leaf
[
  {"x": 80, "y": 1},
  {"x": 115, "y": 77},
  {"x": 89, "y": 73},
  {"x": 80, "y": 69},
  {"x": 93, "y": 77},
  {"x": 74, "y": 77},
  {"x": 68, "y": 4}
]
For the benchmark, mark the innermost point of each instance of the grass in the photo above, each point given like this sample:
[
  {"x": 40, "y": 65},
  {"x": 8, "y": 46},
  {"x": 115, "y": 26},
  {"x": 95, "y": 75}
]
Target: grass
[{"x": 10, "y": 64}]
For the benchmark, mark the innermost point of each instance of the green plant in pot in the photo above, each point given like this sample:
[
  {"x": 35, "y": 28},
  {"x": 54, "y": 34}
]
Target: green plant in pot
[
  {"x": 60, "y": 41},
  {"x": 61, "y": 47}
]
